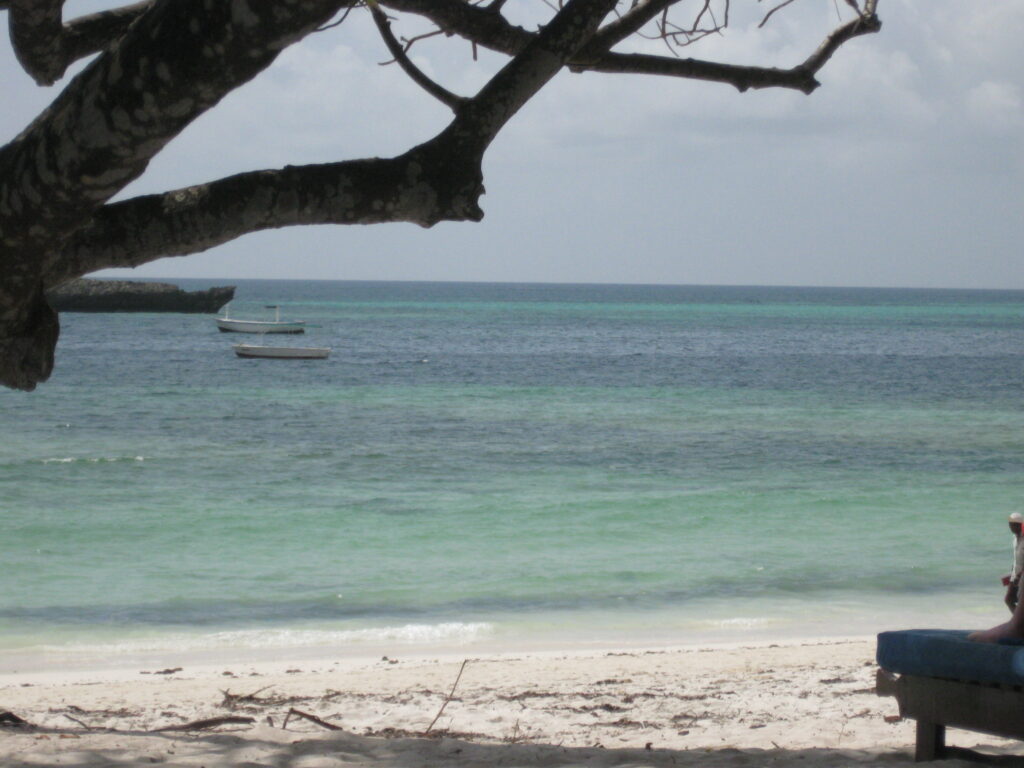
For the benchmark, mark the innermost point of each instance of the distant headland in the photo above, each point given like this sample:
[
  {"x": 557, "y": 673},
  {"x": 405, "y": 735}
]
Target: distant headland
[{"x": 89, "y": 295}]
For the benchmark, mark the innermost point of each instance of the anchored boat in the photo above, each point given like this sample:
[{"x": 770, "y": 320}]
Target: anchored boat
[
  {"x": 282, "y": 353},
  {"x": 228, "y": 324}
]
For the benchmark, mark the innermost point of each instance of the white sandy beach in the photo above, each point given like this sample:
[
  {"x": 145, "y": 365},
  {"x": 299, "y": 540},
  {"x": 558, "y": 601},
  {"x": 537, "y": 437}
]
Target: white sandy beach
[{"x": 808, "y": 703}]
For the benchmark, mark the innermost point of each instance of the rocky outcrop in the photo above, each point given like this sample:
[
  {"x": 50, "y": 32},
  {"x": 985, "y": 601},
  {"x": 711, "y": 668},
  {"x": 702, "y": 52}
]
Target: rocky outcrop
[{"x": 87, "y": 295}]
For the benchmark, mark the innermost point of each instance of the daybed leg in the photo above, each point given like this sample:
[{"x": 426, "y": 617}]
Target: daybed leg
[{"x": 931, "y": 741}]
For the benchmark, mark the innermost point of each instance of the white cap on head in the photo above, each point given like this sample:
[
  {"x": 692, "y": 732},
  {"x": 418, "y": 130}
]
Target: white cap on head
[{"x": 1016, "y": 517}]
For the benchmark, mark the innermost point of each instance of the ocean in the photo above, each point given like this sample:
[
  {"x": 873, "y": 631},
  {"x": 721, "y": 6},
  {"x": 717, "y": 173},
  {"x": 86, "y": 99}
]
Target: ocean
[{"x": 513, "y": 466}]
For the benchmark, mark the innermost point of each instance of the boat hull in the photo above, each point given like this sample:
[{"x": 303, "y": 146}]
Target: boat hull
[
  {"x": 227, "y": 325},
  {"x": 282, "y": 353}
]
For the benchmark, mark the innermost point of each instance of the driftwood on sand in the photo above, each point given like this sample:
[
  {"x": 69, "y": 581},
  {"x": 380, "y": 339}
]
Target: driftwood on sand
[
  {"x": 312, "y": 718},
  {"x": 11, "y": 720},
  {"x": 212, "y": 722}
]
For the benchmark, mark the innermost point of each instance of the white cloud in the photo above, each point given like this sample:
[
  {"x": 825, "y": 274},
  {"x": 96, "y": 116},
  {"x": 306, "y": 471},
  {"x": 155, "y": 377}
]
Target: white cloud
[
  {"x": 984, "y": 34},
  {"x": 995, "y": 106}
]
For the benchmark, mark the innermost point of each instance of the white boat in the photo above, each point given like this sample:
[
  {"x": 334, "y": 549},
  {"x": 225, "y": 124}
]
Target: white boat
[
  {"x": 228, "y": 324},
  {"x": 281, "y": 353}
]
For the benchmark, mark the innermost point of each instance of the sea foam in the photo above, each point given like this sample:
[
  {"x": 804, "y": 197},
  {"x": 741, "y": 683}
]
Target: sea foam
[
  {"x": 449, "y": 633},
  {"x": 92, "y": 459}
]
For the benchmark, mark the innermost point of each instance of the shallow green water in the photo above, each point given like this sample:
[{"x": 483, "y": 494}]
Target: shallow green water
[{"x": 515, "y": 464}]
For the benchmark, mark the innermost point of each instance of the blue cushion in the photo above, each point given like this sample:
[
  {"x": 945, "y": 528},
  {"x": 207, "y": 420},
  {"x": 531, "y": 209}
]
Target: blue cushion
[{"x": 948, "y": 653}]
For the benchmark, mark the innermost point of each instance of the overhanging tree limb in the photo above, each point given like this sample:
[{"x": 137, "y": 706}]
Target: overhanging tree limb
[
  {"x": 163, "y": 63},
  {"x": 482, "y": 27},
  {"x": 102, "y": 130},
  {"x": 412, "y": 188},
  {"x": 440, "y": 180}
]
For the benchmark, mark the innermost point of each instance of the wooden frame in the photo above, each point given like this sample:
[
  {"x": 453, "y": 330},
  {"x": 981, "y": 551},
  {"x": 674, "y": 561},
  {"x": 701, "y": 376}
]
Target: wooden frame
[{"x": 936, "y": 703}]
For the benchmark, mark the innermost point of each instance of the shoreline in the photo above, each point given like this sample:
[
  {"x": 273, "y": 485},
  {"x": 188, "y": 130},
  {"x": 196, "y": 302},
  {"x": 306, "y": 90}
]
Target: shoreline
[
  {"x": 712, "y": 700},
  {"x": 271, "y": 661},
  {"x": 121, "y": 663},
  {"x": 68, "y": 648}
]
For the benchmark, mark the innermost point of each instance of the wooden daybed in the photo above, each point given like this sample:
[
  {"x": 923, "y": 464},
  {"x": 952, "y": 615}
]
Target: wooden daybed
[{"x": 940, "y": 679}]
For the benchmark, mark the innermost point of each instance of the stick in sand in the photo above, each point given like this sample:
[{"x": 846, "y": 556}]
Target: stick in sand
[
  {"x": 198, "y": 725},
  {"x": 76, "y": 720},
  {"x": 450, "y": 694},
  {"x": 311, "y": 718},
  {"x": 231, "y": 699}
]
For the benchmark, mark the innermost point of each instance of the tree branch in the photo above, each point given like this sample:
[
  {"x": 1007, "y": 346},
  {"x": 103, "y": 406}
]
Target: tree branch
[
  {"x": 522, "y": 77},
  {"x": 631, "y": 22},
  {"x": 101, "y": 131},
  {"x": 439, "y": 180},
  {"x": 863, "y": 25},
  {"x": 421, "y": 187},
  {"x": 778, "y": 7},
  {"x": 492, "y": 31},
  {"x": 741, "y": 77},
  {"x": 45, "y": 47},
  {"x": 96, "y": 32},
  {"x": 37, "y": 37},
  {"x": 446, "y": 97},
  {"x": 475, "y": 23}
]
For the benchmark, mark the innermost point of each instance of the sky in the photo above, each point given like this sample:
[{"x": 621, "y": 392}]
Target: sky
[{"x": 904, "y": 169}]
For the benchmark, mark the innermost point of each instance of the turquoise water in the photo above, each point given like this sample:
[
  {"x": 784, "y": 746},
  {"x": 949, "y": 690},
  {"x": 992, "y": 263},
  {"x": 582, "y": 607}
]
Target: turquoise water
[{"x": 515, "y": 465}]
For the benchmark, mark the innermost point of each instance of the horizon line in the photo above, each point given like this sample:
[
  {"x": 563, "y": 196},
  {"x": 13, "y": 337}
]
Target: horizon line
[{"x": 561, "y": 283}]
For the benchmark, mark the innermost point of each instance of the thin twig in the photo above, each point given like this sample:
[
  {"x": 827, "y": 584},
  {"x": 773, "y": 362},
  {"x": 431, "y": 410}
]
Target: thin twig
[
  {"x": 311, "y": 718},
  {"x": 514, "y": 738},
  {"x": 450, "y": 694},
  {"x": 439, "y": 92},
  {"x": 230, "y": 699},
  {"x": 409, "y": 42},
  {"x": 333, "y": 24},
  {"x": 773, "y": 10},
  {"x": 76, "y": 720},
  {"x": 842, "y": 730}
]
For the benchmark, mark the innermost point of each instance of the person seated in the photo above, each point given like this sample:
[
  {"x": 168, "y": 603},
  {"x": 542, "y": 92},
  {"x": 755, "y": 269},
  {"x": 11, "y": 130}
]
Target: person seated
[
  {"x": 1012, "y": 581},
  {"x": 1014, "y": 628}
]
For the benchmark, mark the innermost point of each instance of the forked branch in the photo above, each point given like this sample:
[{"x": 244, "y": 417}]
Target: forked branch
[
  {"x": 490, "y": 30},
  {"x": 629, "y": 23},
  {"x": 440, "y": 180},
  {"x": 439, "y": 92}
]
